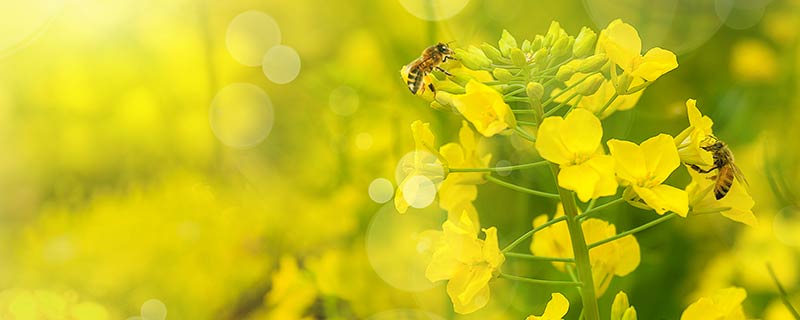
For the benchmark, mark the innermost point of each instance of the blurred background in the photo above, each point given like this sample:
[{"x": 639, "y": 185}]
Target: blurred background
[{"x": 196, "y": 159}]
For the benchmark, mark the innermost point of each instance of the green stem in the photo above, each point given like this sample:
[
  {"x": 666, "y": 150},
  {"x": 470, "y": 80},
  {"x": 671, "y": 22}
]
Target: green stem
[
  {"x": 537, "y": 258},
  {"x": 591, "y": 205},
  {"x": 512, "y": 93},
  {"x": 531, "y": 232},
  {"x": 516, "y": 99},
  {"x": 539, "y": 281},
  {"x": 784, "y": 295},
  {"x": 521, "y": 189},
  {"x": 528, "y": 123},
  {"x": 634, "y": 230},
  {"x": 560, "y": 105},
  {"x": 608, "y": 103},
  {"x": 524, "y": 134},
  {"x": 501, "y": 169},
  {"x": 551, "y": 99},
  {"x": 579, "y": 250},
  {"x": 598, "y": 208},
  {"x": 522, "y": 112}
]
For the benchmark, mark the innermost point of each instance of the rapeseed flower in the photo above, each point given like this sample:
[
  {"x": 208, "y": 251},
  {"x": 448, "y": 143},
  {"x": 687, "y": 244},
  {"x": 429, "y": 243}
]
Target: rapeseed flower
[
  {"x": 725, "y": 304},
  {"x": 556, "y": 308},
  {"x": 621, "y": 43},
  {"x": 485, "y": 108}
]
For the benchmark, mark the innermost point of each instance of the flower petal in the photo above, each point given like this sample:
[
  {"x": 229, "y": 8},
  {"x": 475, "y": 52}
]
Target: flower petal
[
  {"x": 663, "y": 198},
  {"x": 662, "y": 157},
  {"x": 656, "y": 63},
  {"x": 469, "y": 289},
  {"x": 443, "y": 265},
  {"x": 629, "y": 158},
  {"x": 549, "y": 143},
  {"x": 580, "y": 178},
  {"x": 557, "y": 307},
  {"x": 581, "y": 132},
  {"x": 622, "y": 44},
  {"x": 491, "y": 250}
]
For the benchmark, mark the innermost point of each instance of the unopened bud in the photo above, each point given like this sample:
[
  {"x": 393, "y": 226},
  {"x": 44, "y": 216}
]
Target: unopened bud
[
  {"x": 538, "y": 43},
  {"x": 502, "y": 74},
  {"x": 506, "y": 43},
  {"x": 623, "y": 82},
  {"x": 619, "y": 306},
  {"x": 561, "y": 47},
  {"x": 629, "y": 314},
  {"x": 540, "y": 56},
  {"x": 592, "y": 64},
  {"x": 518, "y": 57},
  {"x": 584, "y": 43},
  {"x": 491, "y": 52},
  {"x": 526, "y": 46},
  {"x": 565, "y": 72},
  {"x": 534, "y": 90},
  {"x": 589, "y": 86},
  {"x": 473, "y": 58}
]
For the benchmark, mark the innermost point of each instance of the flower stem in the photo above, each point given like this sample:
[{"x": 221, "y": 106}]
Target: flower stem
[
  {"x": 537, "y": 258},
  {"x": 539, "y": 281},
  {"x": 527, "y": 123},
  {"x": 591, "y": 210},
  {"x": 530, "y": 233},
  {"x": 634, "y": 230},
  {"x": 560, "y": 105},
  {"x": 552, "y": 98},
  {"x": 784, "y": 295},
  {"x": 521, "y": 189},
  {"x": 501, "y": 169},
  {"x": 579, "y": 250},
  {"x": 608, "y": 103},
  {"x": 524, "y": 134}
]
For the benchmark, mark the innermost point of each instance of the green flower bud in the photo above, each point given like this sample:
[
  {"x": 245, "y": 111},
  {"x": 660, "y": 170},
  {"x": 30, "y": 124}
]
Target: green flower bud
[
  {"x": 630, "y": 314},
  {"x": 518, "y": 57},
  {"x": 619, "y": 306},
  {"x": 623, "y": 82},
  {"x": 502, "y": 74},
  {"x": 561, "y": 47},
  {"x": 526, "y": 46},
  {"x": 565, "y": 72},
  {"x": 592, "y": 64},
  {"x": 491, "y": 52},
  {"x": 589, "y": 86},
  {"x": 534, "y": 90},
  {"x": 584, "y": 43},
  {"x": 538, "y": 43},
  {"x": 540, "y": 56},
  {"x": 473, "y": 58},
  {"x": 506, "y": 43},
  {"x": 554, "y": 33}
]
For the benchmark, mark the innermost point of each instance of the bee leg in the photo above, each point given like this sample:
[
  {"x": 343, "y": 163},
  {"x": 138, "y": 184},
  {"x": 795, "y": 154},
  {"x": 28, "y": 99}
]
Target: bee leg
[
  {"x": 448, "y": 57},
  {"x": 700, "y": 170},
  {"x": 444, "y": 71},
  {"x": 433, "y": 90}
]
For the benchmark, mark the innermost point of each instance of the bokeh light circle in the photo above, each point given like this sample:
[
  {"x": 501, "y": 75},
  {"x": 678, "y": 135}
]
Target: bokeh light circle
[
  {"x": 405, "y": 314},
  {"x": 677, "y": 25},
  {"x": 786, "y": 226},
  {"x": 392, "y": 240},
  {"x": 381, "y": 190},
  {"x": 343, "y": 101},
  {"x": 364, "y": 141},
  {"x": 154, "y": 309},
  {"x": 241, "y": 115},
  {"x": 281, "y": 64},
  {"x": 501, "y": 164},
  {"x": 24, "y": 21},
  {"x": 419, "y": 191},
  {"x": 744, "y": 17},
  {"x": 419, "y": 163},
  {"x": 250, "y": 35},
  {"x": 434, "y": 10}
]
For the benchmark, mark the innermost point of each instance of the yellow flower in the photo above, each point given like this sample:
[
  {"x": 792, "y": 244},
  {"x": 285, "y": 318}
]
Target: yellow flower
[
  {"x": 644, "y": 168},
  {"x": 292, "y": 292},
  {"x": 701, "y": 199},
  {"x": 574, "y": 144},
  {"x": 460, "y": 187},
  {"x": 425, "y": 163},
  {"x": 615, "y": 258},
  {"x": 485, "y": 109},
  {"x": 621, "y": 309},
  {"x": 596, "y": 101},
  {"x": 556, "y": 308},
  {"x": 621, "y": 43},
  {"x": 467, "y": 262},
  {"x": 725, "y": 304},
  {"x": 689, "y": 140}
]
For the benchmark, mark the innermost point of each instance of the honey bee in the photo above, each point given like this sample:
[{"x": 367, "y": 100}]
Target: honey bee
[
  {"x": 431, "y": 58},
  {"x": 723, "y": 162}
]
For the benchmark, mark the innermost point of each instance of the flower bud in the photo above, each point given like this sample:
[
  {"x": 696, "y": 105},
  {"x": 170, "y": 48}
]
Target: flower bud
[
  {"x": 623, "y": 82},
  {"x": 561, "y": 47},
  {"x": 565, "y": 72},
  {"x": 526, "y": 46},
  {"x": 584, "y": 43},
  {"x": 629, "y": 314},
  {"x": 518, "y": 57},
  {"x": 491, "y": 52},
  {"x": 473, "y": 58},
  {"x": 553, "y": 34},
  {"x": 506, "y": 43},
  {"x": 589, "y": 86},
  {"x": 592, "y": 64},
  {"x": 619, "y": 306},
  {"x": 502, "y": 74},
  {"x": 540, "y": 56},
  {"x": 534, "y": 90},
  {"x": 538, "y": 43}
]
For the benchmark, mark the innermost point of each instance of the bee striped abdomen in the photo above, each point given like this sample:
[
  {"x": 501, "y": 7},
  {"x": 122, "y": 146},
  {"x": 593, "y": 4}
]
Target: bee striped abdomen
[
  {"x": 414, "y": 80},
  {"x": 724, "y": 182}
]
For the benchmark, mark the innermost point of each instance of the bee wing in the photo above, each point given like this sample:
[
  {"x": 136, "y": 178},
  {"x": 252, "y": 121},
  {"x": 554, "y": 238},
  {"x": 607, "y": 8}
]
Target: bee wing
[{"x": 740, "y": 177}]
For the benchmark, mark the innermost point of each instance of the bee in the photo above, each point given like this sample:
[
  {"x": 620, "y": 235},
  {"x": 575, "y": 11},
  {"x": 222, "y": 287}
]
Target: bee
[
  {"x": 431, "y": 58},
  {"x": 724, "y": 163}
]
